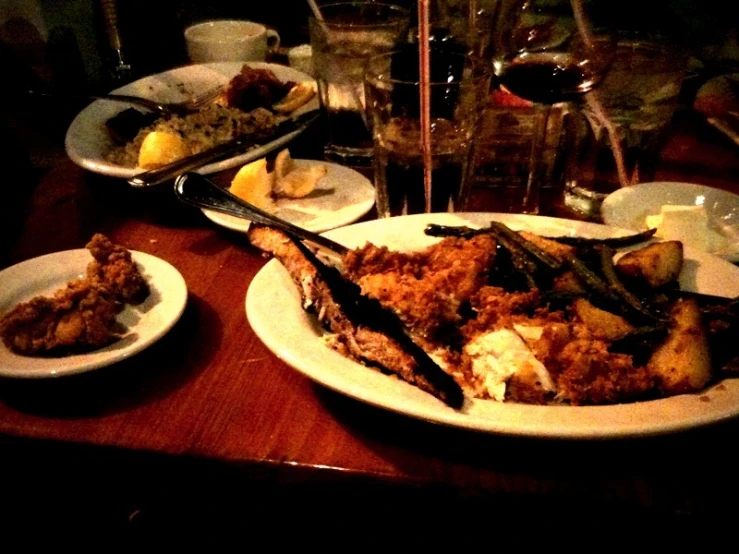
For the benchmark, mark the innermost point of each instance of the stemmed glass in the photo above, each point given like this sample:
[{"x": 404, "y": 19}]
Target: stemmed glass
[{"x": 547, "y": 51}]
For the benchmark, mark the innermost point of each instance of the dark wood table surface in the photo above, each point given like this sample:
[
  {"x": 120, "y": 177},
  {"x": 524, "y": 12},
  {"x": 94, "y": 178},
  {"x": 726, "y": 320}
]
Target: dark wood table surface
[{"x": 207, "y": 427}]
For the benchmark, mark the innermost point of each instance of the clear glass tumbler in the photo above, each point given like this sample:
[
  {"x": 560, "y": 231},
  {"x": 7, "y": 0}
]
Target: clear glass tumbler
[
  {"x": 618, "y": 130},
  {"x": 343, "y": 41},
  {"x": 458, "y": 89}
]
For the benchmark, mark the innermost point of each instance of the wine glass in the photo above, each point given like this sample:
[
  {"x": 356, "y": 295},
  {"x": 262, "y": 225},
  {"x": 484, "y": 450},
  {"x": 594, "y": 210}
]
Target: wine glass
[{"x": 547, "y": 51}]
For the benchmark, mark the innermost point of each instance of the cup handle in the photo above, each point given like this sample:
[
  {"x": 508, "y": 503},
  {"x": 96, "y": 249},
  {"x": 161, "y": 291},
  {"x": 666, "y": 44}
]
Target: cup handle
[{"x": 273, "y": 39}]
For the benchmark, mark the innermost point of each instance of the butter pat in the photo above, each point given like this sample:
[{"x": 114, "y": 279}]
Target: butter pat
[{"x": 688, "y": 224}]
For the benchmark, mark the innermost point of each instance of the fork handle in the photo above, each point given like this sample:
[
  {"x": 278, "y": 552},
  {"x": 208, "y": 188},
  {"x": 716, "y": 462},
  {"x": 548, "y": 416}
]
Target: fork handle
[
  {"x": 143, "y": 102},
  {"x": 196, "y": 190}
]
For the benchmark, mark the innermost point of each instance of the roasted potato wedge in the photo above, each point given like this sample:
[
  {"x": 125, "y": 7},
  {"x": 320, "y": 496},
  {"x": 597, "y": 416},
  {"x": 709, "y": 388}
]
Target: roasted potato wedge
[
  {"x": 604, "y": 325},
  {"x": 654, "y": 265},
  {"x": 682, "y": 362}
]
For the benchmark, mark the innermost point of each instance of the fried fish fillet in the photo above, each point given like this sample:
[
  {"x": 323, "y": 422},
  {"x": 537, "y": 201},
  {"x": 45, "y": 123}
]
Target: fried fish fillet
[
  {"x": 427, "y": 289},
  {"x": 359, "y": 341}
]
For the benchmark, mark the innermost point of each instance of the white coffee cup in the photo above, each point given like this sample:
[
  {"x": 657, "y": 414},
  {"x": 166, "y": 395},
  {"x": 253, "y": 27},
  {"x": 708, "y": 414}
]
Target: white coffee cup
[{"x": 230, "y": 41}]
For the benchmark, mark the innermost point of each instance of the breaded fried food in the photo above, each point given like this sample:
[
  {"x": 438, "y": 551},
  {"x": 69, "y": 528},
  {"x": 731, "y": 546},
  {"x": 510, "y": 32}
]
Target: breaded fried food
[
  {"x": 425, "y": 288},
  {"x": 585, "y": 371},
  {"x": 81, "y": 315},
  {"x": 356, "y": 340},
  {"x": 253, "y": 88},
  {"x": 113, "y": 268}
]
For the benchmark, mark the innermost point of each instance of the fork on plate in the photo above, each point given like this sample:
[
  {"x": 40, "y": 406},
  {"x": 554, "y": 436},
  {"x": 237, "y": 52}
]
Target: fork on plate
[{"x": 162, "y": 108}]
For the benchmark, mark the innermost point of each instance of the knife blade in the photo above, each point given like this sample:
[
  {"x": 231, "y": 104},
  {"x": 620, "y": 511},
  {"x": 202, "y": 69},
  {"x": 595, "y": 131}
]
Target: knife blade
[{"x": 242, "y": 143}]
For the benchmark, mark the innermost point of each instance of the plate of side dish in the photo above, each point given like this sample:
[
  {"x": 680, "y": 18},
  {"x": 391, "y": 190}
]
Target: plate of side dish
[
  {"x": 90, "y": 144},
  {"x": 341, "y": 197},
  {"x": 275, "y": 312},
  {"x": 704, "y": 217},
  {"x": 136, "y": 326}
]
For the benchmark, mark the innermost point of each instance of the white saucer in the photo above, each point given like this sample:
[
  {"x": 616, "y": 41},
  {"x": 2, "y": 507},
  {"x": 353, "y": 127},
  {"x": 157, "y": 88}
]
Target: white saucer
[
  {"x": 144, "y": 323},
  {"x": 628, "y": 208},
  {"x": 341, "y": 197}
]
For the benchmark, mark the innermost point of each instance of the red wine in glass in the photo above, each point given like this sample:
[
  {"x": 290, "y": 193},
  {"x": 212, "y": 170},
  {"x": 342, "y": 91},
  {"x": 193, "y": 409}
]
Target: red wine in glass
[
  {"x": 546, "y": 51},
  {"x": 547, "y": 78}
]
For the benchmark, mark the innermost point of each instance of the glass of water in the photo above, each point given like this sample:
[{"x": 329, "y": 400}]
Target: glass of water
[
  {"x": 617, "y": 131},
  {"x": 343, "y": 41}
]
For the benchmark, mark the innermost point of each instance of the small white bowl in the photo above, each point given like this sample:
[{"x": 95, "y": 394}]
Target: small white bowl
[{"x": 629, "y": 207}]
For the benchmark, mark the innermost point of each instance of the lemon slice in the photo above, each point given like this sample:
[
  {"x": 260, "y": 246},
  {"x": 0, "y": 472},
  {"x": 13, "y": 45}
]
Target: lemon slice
[
  {"x": 299, "y": 95},
  {"x": 283, "y": 164},
  {"x": 253, "y": 183},
  {"x": 300, "y": 182},
  {"x": 160, "y": 148}
]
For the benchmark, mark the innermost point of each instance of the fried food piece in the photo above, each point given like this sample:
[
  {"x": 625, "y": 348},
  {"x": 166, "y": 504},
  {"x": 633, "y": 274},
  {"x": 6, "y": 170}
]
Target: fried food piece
[
  {"x": 114, "y": 269},
  {"x": 255, "y": 88},
  {"x": 355, "y": 340},
  {"x": 428, "y": 288},
  {"x": 82, "y": 314},
  {"x": 585, "y": 372}
]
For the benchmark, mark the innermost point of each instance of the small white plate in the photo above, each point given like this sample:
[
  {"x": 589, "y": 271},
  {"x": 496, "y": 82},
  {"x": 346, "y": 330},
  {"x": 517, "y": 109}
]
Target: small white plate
[
  {"x": 144, "y": 323},
  {"x": 341, "y": 197},
  {"x": 629, "y": 207},
  {"x": 88, "y": 141},
  {"x": 275, "y": 313}
]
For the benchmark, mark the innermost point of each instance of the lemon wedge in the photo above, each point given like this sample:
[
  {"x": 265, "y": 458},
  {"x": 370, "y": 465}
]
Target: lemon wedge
[
  {"x": 300, "y": 182},
  {"x": 160, "y": 148},
  {"x": 299, "y": 95},
  {"x": 254, "y": 183},
  {"x": 284, "y": 164}
]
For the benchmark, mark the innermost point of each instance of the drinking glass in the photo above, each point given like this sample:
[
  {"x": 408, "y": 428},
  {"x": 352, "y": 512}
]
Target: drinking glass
[
  {"x": 458, "y": 87},
  {"x": 343, "y": 41},
  {"x": 546, "y": 51},
  {"x": 617, "y": 131}
]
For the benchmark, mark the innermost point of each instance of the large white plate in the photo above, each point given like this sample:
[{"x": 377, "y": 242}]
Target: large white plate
[
  {"x": 144, "y": 323},
  {"x": 341, "y": 197},
  {"x": 629, "y": 207},
  {"x": 275, "y": 314},
  {"x": 88, "y": 141}
]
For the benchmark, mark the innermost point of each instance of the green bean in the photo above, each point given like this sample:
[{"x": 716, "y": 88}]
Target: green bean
[
  {"x": 502, "y": 230},
  {"x": 436, "y": 230},
  {"x": 613, "y": 242}
]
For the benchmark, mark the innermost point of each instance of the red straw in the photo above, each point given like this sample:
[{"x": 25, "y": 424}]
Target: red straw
[{"x": 424, "y": 70}]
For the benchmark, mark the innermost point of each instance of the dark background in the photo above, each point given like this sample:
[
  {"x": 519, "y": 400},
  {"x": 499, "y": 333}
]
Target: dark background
[{"x": 63, "y": 41}]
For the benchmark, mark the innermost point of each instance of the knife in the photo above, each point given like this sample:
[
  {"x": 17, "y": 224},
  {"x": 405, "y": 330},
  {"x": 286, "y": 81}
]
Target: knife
[
  {"x": 242, "y": 143},
  {"x": 363, "y": 310}
]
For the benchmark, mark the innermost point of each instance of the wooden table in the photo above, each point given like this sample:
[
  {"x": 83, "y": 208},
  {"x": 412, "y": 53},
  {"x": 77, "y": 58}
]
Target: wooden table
[{"x": 207, "y": 429}]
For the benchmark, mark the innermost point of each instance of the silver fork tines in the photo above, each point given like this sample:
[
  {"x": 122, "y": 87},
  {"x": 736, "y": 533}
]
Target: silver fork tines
[{"x": 163, "y": 108}]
